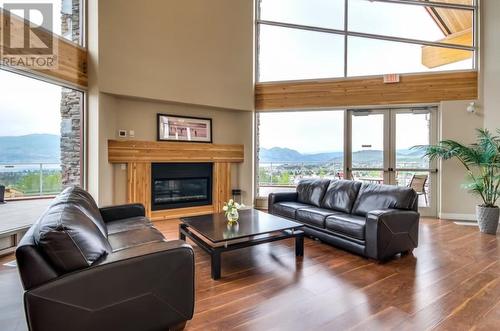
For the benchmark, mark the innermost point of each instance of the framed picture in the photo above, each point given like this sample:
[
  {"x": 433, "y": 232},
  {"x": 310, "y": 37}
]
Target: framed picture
[{"x": 183, "y": 128}]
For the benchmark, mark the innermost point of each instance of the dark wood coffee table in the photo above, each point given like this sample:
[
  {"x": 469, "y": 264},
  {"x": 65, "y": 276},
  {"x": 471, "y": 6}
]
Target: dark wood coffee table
[{"x": 212, "y": 234}]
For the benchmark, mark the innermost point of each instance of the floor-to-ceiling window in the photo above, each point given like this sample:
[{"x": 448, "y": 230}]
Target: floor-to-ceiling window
[
  {"x": 298, "y": 145},
  {"x": 311, "y": 39},
  {"x": 40, "y": 136}
]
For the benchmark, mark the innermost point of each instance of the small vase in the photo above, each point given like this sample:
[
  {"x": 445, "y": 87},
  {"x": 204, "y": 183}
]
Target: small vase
[
  {"x": 487, "y": 219},
  {"x": 232, "y": 216}
]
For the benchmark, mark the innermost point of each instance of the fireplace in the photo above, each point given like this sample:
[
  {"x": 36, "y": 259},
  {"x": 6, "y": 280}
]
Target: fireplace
[{"x": 180, "y": 185}]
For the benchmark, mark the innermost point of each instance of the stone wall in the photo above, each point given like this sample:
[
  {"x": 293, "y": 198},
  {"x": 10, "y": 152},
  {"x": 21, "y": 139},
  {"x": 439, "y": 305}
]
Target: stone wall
[{"x": 71, "y": 105}]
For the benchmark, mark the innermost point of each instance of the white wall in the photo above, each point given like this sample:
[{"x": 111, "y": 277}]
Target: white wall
[
  {"x": 456, "y": 123},
  {"x": 189, "y": 51},
  {"x": 490, "y": 63}
]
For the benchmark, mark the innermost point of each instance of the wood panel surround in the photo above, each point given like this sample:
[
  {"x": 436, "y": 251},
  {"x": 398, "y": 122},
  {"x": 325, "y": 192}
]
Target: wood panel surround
[
  {"x": 139, "y": 155},
  {"x": 72, "y": 59},
  {"x": 412, "y": 89}
]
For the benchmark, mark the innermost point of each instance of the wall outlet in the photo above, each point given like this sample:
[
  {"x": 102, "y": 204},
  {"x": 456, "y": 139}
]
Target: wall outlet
[
  {"x": 123, "y": 166},
  {"x": 122, "y": 133},
  {"x": 131, "y": 133}
]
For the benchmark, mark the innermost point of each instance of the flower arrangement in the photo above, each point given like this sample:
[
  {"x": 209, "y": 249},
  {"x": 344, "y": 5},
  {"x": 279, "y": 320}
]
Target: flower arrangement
[{"x": 231, "y": 210}]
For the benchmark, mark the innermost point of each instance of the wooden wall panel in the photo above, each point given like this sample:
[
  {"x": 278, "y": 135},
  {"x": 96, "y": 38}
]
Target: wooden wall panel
[
  {"x": 222, "y": 185},
  {"x": 412, "y": 89},
  {"x": 123, "y": 151},
  {"x": 167, "y": 214},
  {"x": 433, "y": 57},
  {"x": 139, "y": 184},
  {"x": 140, "y": 155},
  {"x": 72, "y": 59}
]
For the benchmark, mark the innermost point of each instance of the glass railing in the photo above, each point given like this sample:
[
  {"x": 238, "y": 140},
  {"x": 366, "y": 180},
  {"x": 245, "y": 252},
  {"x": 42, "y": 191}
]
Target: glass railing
[
  {"x": 284, "y": 176},
  {"x": 31, "y": 179}
]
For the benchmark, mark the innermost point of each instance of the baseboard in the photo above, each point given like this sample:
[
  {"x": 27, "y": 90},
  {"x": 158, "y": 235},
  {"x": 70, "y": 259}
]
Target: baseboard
[{"x": 458, "y": 217}]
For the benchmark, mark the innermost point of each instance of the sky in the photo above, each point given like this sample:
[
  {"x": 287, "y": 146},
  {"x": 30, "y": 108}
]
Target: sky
[
  {"x": 310, "y": 132},
  {"x": 28, "y": 105},
  {"x": 307, "y": 132},
  {"x": 321, "y": 55}
]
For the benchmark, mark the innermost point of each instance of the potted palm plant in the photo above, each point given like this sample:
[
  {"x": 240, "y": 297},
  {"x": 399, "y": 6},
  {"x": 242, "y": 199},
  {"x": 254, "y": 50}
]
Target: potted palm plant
[{"x": 481, "y": 161}]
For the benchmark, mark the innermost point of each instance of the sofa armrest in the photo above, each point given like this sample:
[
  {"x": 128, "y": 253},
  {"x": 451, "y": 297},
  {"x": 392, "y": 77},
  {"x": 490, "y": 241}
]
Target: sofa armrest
[
  {"x": 146, "y": 287},
  {"x": 113, "y": 213},
  {"x": 280, "y": 197},
  {"x": 391, "y": 231}
]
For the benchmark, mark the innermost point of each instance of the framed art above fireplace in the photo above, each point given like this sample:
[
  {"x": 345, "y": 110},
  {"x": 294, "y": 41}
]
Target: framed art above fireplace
[{"x": 184, "y": 128}]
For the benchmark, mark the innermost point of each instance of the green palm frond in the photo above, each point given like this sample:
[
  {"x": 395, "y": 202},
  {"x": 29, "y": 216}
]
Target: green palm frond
[{"x": 481, "y": 161}]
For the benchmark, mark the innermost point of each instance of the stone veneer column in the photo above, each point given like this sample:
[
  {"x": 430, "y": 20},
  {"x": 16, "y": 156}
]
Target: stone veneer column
[{"x": 71, "y": 107}]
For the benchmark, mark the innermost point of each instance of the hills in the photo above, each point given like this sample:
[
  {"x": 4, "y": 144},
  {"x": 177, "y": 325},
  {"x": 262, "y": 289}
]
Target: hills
[
  {"x": 279, "y": 154},
  {"x": 33, "y": 148}
]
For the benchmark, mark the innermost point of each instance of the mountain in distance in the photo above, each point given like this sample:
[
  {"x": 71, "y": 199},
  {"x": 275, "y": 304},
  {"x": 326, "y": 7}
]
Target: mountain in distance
[
  {"x": 279, "y": 154},
  {"x": 32, "y": 148}
]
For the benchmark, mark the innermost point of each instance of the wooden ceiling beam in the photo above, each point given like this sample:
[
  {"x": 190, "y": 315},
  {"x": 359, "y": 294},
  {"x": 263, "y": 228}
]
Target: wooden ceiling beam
[
  {"x": 433, "y": 57},
  {"x": 71, "y": 68},
  {"x": 412, "y": 89}
]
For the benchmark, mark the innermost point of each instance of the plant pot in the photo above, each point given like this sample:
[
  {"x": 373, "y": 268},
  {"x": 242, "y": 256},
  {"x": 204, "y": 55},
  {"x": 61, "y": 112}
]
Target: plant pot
[
  {"x": 2, "y": 194},
  {"x": 487, "y": 218}
]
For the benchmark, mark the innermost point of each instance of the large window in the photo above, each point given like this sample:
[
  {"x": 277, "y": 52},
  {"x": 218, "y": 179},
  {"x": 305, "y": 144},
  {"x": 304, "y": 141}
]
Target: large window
[
  {"x": 309, "y": 39},
  {"x": 298, "y": 145},
  {"x": 40, "y": 136}
]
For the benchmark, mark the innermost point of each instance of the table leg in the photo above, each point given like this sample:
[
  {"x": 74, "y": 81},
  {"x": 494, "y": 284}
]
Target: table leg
[
  {"x": 215, "y": 259},
  {"x": 299, "y": 244}
]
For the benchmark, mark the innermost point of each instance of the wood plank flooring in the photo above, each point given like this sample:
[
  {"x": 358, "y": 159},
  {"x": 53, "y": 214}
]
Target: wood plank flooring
[{"x": 451, "y": 282}]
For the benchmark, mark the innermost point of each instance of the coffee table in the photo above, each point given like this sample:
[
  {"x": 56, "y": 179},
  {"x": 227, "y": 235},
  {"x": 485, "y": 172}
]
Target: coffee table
[{"x": 212, "y": 233}]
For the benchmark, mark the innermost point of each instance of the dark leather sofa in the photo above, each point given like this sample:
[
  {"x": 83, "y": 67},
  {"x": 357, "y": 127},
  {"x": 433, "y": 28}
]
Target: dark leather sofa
[
  {"x": 85, "y": 268},
  {"x": 372, "y": 220}
]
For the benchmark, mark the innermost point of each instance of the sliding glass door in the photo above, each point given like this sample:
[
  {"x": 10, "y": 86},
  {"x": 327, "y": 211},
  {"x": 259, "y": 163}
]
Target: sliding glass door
[{"x": 382, "y": 149}]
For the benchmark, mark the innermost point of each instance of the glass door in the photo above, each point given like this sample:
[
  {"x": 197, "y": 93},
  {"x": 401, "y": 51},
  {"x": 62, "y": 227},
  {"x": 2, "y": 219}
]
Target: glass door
[
  {"x": 408, "y": 166},
  {"x": 367, "y": 154},
  {"x": 381, "y": 149}
]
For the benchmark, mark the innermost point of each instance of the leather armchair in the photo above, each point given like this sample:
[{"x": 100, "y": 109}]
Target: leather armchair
[
  {"x": 113, "y": 213},
  {"x": 85, "y": 268},
  {"x": 141, "y": 288}
]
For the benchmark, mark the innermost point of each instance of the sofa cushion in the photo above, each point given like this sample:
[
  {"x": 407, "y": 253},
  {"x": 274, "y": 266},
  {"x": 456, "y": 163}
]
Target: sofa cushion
[
  {"x": 127, "y": 224},
  {"x": 135, "y": 237},
  {"x": 314, "y": 216},
  {"x": 83, "y": 200},
  {"x": 311, "y": 191},
  {"x": 69, "y": 238},
  {"x": 340, "y": 195},
  {"x": 350, "y": 225},
  {"x": 288, "y": 208},
  {"x": 376, "y": 196}
]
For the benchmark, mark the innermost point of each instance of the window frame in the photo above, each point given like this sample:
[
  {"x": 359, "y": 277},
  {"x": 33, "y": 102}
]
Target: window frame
[{"x": 346, "y": 34}]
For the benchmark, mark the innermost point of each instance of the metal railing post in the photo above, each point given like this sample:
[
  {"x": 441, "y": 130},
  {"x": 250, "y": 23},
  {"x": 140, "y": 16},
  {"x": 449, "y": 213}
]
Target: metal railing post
[
  {"x": 271, "y": 173},
  {"x": 41, "y": 178}
]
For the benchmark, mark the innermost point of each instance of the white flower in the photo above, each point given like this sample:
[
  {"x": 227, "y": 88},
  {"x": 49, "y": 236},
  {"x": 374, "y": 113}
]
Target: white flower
[
  {"x": 224, "y": 208},
  {"x": 231, "y": 201}
]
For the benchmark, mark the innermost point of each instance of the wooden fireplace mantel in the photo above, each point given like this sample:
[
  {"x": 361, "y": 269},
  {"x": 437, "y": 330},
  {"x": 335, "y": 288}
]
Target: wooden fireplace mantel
[{"x": 138, "y": 155}]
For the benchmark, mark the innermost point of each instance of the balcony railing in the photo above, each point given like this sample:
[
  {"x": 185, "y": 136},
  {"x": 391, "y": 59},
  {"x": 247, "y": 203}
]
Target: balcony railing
[
  {"x": 284, "y": 176},
  {"x": 30, "y": 179}
]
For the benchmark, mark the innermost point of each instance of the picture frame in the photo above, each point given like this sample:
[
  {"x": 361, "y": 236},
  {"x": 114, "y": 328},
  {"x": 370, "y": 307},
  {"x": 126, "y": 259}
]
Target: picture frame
[{"x": 184, "y": 128}]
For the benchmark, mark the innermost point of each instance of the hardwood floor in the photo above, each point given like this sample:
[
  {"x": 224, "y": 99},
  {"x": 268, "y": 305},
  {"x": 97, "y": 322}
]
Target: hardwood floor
[{"x": 451, "y": 282}]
